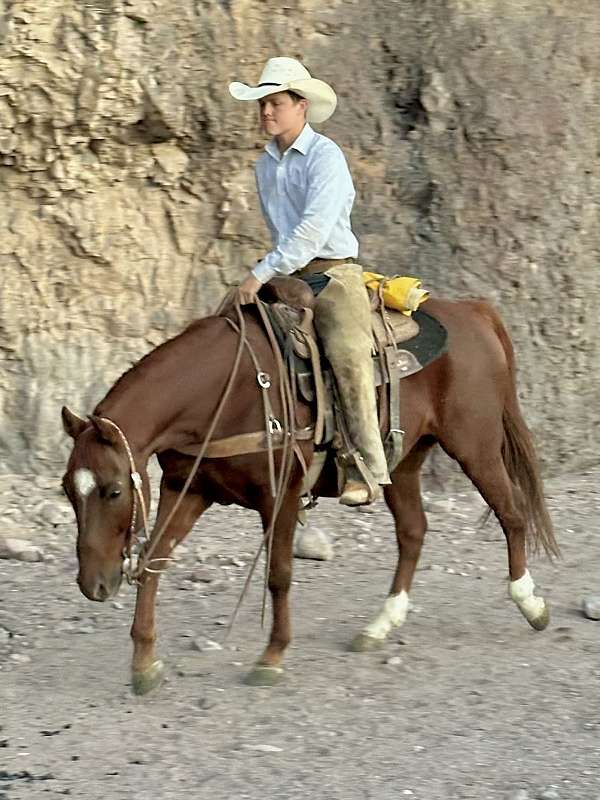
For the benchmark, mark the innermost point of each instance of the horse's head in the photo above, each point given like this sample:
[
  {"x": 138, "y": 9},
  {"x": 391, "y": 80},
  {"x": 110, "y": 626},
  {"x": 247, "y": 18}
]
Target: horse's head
[{"x": 99, "y": 487}]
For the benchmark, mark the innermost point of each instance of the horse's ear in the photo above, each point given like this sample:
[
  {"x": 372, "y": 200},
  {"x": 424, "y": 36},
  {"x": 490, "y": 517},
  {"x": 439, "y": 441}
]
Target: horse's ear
[
  {"x": 72, "y": 424},
  {"x": 106, "y": 432}
]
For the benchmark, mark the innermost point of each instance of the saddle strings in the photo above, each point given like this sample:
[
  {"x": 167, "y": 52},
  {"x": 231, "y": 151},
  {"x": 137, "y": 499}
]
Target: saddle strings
[{"x": 290, "y": 448}]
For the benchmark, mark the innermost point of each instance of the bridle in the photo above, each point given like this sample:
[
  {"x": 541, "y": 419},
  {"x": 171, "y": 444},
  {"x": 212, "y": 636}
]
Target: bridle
[{"x": 129, "y": 568}]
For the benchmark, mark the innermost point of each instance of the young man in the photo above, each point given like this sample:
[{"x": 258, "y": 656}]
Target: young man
[{"x": 306, "y": 196}]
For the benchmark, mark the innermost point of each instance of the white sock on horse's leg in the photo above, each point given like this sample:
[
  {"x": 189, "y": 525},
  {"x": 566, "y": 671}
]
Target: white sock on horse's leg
[
  {"x": 393, "y": 615},
  {"x": 521, "y": 591}
]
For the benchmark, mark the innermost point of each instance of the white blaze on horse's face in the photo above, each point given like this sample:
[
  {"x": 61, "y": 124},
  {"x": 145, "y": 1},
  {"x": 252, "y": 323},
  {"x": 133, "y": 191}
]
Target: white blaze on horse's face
[{"x": 84, "y": 481}]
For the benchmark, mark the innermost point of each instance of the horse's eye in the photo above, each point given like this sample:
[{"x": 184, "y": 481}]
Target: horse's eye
[{"x": 114, "y": 493}]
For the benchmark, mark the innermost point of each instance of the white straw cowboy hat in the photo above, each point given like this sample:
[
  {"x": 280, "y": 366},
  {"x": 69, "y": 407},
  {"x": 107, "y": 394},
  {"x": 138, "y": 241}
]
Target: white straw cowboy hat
[{"x": 286, "y": 74}]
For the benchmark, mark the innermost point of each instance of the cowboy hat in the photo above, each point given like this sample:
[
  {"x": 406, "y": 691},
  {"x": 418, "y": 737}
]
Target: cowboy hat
[{"x": 286, "y": 74}]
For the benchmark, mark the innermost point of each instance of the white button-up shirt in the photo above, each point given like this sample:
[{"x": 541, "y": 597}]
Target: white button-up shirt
[{"x": 306, "y": 197}]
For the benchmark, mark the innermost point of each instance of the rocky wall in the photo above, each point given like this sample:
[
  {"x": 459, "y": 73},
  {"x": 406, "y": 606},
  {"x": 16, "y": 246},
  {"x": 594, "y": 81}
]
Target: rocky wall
[{"x": 127, "y": 193}]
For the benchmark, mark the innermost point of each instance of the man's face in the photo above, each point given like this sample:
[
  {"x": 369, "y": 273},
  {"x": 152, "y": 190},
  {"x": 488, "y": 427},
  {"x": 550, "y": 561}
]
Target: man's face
[{"x": 280, "y": 114}]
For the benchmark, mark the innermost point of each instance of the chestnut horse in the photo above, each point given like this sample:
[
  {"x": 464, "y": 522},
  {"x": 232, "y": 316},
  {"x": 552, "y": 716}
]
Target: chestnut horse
[{"x": 466, "y": 401}]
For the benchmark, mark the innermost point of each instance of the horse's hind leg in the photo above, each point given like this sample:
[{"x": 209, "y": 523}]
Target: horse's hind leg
[
  {"x": 146, "y": 669},
  {"x": 404, "y": 501},
  {"x": 487, "y": 471}
]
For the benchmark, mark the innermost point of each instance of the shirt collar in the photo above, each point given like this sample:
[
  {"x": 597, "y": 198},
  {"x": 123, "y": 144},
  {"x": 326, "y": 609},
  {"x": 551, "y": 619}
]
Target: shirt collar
[
  {"x": 304, "y": 141},
  {"x": 301, "y": 144}
]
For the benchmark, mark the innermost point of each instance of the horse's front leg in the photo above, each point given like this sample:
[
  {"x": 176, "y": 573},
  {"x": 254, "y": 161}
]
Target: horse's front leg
[
  {"x": 146, "y": 669},
  {"x": 268, "y": 669}
]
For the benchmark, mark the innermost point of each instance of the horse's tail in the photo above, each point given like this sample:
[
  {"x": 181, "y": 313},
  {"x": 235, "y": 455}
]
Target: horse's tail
[
  {"x": 521, "y": 462},
  {"x": 520, "y": 458}
]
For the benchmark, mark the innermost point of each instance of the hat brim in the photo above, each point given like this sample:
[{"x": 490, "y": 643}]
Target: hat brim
[{"x": 321, "y": 98}]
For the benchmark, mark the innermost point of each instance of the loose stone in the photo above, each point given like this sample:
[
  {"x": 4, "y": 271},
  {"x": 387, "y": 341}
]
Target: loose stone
[
  {"x": 204, "y": 645},
  {"x": 263, "y": 748},
  {"x": 591, "y": 606},
  {"x": 20, "y": 658},
  {"x": 313, "y": 543},
  {"x": 20, "y": 550},
  {"x": 519, "y": 794},
  {"x": 549, "y": 793},
  {"x": 394, "y": 661}
]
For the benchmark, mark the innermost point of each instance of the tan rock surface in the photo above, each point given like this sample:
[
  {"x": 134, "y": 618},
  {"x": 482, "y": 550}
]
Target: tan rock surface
[{"x": 128, "y": 195}]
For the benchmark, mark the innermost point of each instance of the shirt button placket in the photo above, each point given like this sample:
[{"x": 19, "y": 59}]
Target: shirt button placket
[{"x": 279, "y": 182}]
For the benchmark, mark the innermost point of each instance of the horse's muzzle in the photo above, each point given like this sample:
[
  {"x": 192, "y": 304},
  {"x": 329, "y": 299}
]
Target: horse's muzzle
[{"x": 100, "y": 588}]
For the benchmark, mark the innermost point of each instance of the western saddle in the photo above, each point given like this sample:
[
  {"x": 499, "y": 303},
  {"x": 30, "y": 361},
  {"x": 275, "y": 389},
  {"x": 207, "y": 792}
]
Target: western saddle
[{"x": 289, "y": 304}]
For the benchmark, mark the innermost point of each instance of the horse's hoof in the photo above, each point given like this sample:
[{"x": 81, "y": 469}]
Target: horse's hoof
[
  {"x": 363, "y": 643},
  {"x": 542, "y": 620},
  {"x": 148, "y": 679},
  {"x": 264, "y": 675}
]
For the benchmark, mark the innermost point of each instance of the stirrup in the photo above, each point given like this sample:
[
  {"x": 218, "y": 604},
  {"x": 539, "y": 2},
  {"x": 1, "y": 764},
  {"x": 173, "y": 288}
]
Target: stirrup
[
  {"x": 356, "y": 472},
  {"x": 393, "y": 448}
]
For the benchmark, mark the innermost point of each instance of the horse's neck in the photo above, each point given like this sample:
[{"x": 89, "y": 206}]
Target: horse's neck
[
  {"x": 151, "y": 403},
  {"x": 140, "y": 416}
]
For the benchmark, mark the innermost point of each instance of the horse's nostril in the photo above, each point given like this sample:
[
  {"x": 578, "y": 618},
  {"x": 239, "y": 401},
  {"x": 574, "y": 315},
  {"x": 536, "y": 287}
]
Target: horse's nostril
[
  {"x": 99, "y": 588},
  {"x": 101, "y": 592}
]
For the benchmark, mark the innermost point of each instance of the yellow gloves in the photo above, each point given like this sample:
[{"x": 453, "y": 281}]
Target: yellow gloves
[{"x": 400, "y": 293}]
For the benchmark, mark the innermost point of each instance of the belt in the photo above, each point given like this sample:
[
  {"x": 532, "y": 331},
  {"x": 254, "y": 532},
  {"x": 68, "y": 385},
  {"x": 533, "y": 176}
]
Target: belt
[{"x": 321, "y": 265}]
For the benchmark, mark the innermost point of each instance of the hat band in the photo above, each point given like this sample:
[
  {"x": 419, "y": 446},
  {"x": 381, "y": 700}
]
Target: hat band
[{"x": 260, "y": 85}]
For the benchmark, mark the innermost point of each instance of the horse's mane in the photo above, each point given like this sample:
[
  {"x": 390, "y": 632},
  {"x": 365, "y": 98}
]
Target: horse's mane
[{"x": 162, "y": 351}]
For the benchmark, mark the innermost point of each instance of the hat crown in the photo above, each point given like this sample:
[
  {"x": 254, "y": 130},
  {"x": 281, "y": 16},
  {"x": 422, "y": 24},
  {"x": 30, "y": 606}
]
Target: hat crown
[{"x": 283, "y": 70}]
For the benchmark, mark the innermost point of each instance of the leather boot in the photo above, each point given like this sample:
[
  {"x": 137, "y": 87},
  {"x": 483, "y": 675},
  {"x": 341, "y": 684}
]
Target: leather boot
[{"x": 358, "y": 493}]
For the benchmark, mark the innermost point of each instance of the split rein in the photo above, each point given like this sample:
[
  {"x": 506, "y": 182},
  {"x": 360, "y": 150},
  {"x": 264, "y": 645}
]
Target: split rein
[{"x": 135, "y": 565}]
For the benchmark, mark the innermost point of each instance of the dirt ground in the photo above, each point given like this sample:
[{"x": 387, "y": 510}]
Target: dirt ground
[{"x": 464, "y": 701}]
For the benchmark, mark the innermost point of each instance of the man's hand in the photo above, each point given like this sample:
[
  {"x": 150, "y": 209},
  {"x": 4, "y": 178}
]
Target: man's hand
[{"x": 247, "y": 290}]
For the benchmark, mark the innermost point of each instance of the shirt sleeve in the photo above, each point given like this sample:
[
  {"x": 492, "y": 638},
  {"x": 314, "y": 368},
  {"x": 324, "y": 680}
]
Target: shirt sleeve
[{"x": 328, "y": 191}]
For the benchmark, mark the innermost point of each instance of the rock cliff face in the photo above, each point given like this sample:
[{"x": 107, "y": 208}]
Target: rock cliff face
[{"x": 128, "y": 206}]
